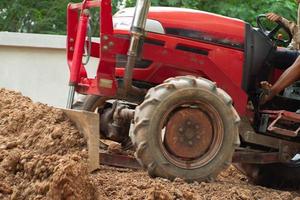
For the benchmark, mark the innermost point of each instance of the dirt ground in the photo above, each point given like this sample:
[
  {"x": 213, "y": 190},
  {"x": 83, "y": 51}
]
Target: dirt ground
[
  {"x": 43, "y": 156},
  {"x": 134, "y": 185}
]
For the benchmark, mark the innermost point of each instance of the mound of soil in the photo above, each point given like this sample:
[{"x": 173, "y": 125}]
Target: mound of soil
[{"x": 42, "y": 155}]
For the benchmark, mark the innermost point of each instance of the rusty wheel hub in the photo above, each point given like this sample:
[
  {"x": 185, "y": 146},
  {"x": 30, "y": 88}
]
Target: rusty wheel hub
[
  {"x": 189, "y": 133},
  {"x": 192, "y": 135}
]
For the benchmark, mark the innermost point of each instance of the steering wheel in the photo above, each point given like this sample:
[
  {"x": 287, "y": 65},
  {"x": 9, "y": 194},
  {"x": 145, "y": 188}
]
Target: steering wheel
[{"x": 272, "y": 33}]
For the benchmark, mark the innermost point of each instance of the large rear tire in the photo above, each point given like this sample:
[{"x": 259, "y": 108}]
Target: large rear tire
[
  {"x": 277, "y": 175},
  {"x": 185, "y": 128}
]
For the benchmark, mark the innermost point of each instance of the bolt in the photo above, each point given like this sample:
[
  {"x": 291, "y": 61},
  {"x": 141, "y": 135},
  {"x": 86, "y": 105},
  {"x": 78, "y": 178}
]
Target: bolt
[
  {"x": 105, "y": 48},
  {"x": 198, "y": 137},
  {"x": 181, "y": 139},
  {"x": 181, "y": 130},
  {"x": 197, "y": 127},
  {"x": 190, "y": 143},
  {"x": 71, "y": 39},
  {"x": 71, "y": 48},
  {"x": 111, "y": 44},
  {"x": 105, "y": 37},
  {"x": 189, "y": 123}
]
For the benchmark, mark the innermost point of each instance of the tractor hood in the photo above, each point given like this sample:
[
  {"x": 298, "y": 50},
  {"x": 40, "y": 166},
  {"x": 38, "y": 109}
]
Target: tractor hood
[{"x": 188, "y": 23}]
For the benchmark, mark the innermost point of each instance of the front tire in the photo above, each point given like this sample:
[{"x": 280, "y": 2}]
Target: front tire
[{"x": 186, "y": 128}]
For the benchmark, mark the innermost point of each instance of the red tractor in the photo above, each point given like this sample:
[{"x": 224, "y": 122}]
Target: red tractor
[{"x": 183, "y": 87}]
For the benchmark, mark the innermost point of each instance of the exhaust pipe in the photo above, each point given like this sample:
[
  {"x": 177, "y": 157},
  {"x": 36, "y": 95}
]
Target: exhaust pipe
[{"x": 136, "y": 44}]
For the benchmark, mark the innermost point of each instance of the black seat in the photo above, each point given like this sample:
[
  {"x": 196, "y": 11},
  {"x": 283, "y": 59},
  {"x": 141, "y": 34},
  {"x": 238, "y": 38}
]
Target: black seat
[{"x": 283, "y": 58}]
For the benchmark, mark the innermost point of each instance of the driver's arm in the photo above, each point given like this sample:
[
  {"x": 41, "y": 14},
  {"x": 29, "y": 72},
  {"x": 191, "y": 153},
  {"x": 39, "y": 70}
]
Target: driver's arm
[
  {"x": 291, "y": 25},
  {"x": 294, "y": 28}
]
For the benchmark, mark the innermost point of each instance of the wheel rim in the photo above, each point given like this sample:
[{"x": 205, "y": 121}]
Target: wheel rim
[{"x": 191, "y": 134}]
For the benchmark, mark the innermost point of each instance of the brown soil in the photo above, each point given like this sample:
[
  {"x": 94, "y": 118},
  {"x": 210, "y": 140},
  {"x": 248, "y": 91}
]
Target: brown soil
[
  {"x": 135, "y": 185},
  {"x": 43, "y": 156}
]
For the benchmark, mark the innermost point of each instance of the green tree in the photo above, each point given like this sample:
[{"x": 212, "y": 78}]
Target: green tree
[
  {"x": 245, "y": 10},
  {"x": 36, "y": 16},
  {"x": 33, "y": 16}
]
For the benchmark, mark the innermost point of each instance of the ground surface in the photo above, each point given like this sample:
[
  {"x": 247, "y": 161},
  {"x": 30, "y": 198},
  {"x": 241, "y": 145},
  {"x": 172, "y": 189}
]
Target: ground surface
[
  {"x": 43, "y": 156},
  {"x": 126, "y": 184}
]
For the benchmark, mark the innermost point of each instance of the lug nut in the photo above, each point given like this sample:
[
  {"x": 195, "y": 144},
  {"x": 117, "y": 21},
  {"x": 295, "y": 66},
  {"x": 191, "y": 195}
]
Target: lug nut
[
  {"x": 189, "y": 123},
  {"x": 198, "y": 137},
  {"x": 197, "y": 127},
  {"x": 190, "y": 143},
  {"x": 181, "y": 130}
]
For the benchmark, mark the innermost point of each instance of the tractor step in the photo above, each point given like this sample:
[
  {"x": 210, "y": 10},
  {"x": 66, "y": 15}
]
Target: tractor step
[{"x": 284, "y": 122}]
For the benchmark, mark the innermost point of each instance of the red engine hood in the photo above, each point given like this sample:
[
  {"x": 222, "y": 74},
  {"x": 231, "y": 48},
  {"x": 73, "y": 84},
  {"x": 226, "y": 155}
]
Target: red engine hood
[
  {"x": 189, "y": 23},
  {"x": 200, "y": 24}
]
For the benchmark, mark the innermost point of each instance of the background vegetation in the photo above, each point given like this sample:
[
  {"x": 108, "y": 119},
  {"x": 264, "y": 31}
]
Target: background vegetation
[{"x": 49, "y": 16}]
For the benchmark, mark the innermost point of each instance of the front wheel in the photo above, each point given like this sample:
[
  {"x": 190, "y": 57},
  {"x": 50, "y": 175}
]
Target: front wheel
[{"x": 185, "y": 128}]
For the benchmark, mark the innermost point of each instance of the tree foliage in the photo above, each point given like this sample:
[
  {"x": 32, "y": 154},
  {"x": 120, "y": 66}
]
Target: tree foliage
[
  {"x": 243, "y": 9},
  {"x": 45, "y": 16},
  {"x": 37, "y": 16}
]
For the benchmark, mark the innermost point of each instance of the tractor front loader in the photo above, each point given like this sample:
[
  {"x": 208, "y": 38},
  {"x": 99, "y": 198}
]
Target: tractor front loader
[{"x": 181, "y": 88}]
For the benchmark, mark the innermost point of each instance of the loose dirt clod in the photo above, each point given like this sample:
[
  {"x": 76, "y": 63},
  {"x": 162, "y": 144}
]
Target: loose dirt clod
[{"x": 43, "y": 156}]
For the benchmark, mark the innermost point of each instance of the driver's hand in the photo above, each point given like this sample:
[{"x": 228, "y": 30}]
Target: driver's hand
[{"x": 274, "y": 17}]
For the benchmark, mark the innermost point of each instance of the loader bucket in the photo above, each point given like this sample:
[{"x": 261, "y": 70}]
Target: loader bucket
[{"x": 88, "y": 124}]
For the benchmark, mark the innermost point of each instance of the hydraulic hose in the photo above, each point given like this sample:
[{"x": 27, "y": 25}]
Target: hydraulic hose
[{"x": 136, "y": 43}]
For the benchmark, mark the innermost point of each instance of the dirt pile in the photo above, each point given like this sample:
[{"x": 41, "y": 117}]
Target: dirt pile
[{"x": 42, "y": 155}]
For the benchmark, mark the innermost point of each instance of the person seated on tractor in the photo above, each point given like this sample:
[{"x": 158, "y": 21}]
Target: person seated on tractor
[{"x": 292, "y": 74}]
